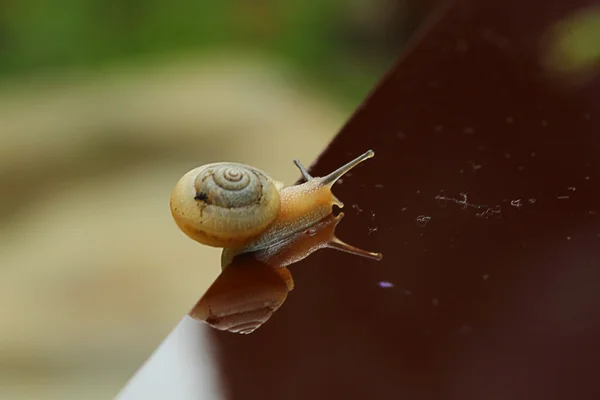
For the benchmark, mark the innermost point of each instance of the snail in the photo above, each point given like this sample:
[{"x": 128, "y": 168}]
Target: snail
[
  {"x": 262, "y": 226},
  {"x": 236, "y": 206}
]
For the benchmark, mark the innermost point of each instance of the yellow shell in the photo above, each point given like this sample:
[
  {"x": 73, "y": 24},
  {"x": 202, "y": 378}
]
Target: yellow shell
[{"x": 225, "y": 204}]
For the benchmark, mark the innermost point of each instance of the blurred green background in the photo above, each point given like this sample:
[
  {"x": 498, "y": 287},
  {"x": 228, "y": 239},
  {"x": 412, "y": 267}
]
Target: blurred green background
[
  {"x": 343, "y": 44},
  {"x": 103, "y": 106}
]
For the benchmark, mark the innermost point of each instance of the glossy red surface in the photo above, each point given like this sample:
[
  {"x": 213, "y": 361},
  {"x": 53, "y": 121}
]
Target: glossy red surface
[{"x": 488, "y": 295}]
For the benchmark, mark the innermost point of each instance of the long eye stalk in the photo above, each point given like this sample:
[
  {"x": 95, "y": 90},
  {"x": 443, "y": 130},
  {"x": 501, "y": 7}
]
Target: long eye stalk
[
  {"x": 303, "y": 170},
  {"x": 330, "y": 179},
  {"x": 338, "y": 173}
]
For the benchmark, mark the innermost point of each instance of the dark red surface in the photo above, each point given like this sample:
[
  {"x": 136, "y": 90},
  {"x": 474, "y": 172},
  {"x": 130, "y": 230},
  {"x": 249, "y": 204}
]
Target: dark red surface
[{"x": 503, "y": 305}]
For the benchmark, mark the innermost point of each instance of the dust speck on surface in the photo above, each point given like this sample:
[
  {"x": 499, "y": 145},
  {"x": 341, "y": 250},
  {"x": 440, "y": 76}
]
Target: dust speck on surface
[
  {"x": 374, "y": 229},
  {"x": 507, "y": 155},
  {"x": 490, "y": 212},
  {"x": 422, "y": 220},
  {"x": 385, "y": 284},
  {"x": 475, "y": 167},
  {"x": 378, "y": 186},
  {"x": 563, "y": 197},
  {"x": 532, "y": 154},
  {"x": 509, "y": 120},
  {"x": 485, "y": 277},
  {"x": 572, "y": 188},
  {"x": 435, "y": 302},
  {"x": 357, "y": 208},
  {"x": 568, "y": 237},
  {"x": 438, "y": 128},
  {"x": 532, "y": 201},
  {"x": 516, "y": 203},
  {"x": 469, "y": 130}
]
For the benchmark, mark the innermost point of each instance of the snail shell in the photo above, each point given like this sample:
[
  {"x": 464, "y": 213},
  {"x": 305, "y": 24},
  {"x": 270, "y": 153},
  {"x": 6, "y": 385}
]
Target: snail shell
[{"x": 234, "y": 203}]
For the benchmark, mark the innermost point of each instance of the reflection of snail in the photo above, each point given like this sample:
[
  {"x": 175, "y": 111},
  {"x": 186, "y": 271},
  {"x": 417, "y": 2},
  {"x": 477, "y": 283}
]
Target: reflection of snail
[
  {"x": 244, "y": 296},
  {"x": 263, "y": 227},
  {"x": 254, "y": 285}
]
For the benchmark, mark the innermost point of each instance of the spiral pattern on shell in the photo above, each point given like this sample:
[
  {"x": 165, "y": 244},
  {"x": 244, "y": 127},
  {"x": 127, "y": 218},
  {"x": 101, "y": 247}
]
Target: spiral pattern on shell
[
  {"x": 225, "y": 204},
  {"x": 229, "y": 185}
]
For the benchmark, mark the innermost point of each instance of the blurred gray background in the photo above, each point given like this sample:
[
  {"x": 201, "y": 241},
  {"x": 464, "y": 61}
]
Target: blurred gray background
[{"x": 103, "y": 106}]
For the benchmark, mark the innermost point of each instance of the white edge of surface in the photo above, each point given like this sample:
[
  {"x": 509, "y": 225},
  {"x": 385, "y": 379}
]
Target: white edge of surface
[{"x": 182, "y": 367}]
